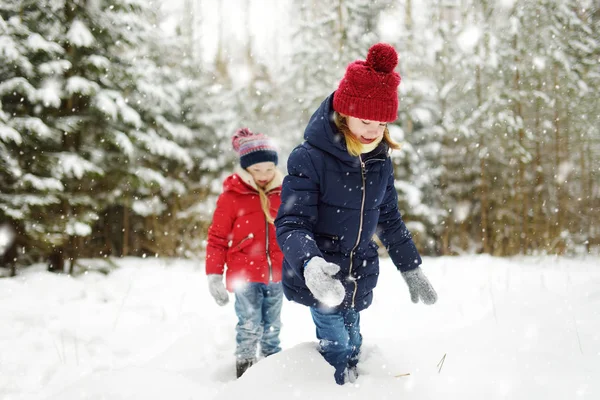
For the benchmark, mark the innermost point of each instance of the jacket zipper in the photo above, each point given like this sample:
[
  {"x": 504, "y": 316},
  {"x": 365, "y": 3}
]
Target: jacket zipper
[
  {"x": 267, "y": 251},
  {"x": 362, "y": 210}
]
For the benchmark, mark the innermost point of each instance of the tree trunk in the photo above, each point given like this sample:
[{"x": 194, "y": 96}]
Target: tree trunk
[
  {"x": 485, "y": 236},
  {"x": 108, "y": 246},
  {"x": 520, "y": 209},
  {"x": 341, "y": 29},
  {"x": 559, "y": 248},
  {"x": 56, "y": 260},
  {"x": 483, "y": 184},
  {"x": 125, "y": 251},
  {"x": 585, "y": 195},
  {"x": 446, "y": 239},
  {"x": 408, "y": 24},
  {"x": 220, "y": 59}
]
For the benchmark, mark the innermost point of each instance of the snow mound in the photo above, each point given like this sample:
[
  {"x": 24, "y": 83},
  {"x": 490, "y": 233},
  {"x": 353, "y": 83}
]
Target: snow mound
[{"x": 301, "y": 372}]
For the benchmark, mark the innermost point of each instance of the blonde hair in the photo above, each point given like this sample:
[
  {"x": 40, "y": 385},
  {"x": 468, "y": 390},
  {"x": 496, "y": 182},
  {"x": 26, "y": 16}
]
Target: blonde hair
[
  {"x": 265, "y": 204},
  {"x": 354, "y": 145}
]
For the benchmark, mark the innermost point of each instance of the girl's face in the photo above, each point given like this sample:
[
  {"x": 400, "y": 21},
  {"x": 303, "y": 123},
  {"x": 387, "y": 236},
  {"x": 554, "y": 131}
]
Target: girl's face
[
  {"x": 366, "y": 131},
  {"x": 262, "y": 173}
]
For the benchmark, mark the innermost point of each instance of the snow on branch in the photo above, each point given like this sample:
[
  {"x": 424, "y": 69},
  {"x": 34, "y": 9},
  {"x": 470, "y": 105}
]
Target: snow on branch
[
  {"x": 79, "y": 35},
  {"x": 42, "y": 183},
  {"x": 9, "y": 134},
  {"x": 165, "y": 99},
  {"x": 100, "y": 62},
  {"x": 33, "y": 125},
  {"x": 19, "y": 85},
  {"x": 163, "y": 147},
  {"x": 124, "y": 143},
  {"x": 80, "y": 85},
  {"x": 412, "y": 194},
  {"x": 111, "y": 103},
  {"x": 167, "y": 186},
  {"x": 35, "y": 42},
  {"x": 104, "y": 103},
  {"x": 128, "y": 114},
  {"x": 68, "y": 123},
  {"x": 50, "y": 93},
  {"x": 76, "y": 228},
  {"x": 149, "y": 206},
  {"x": 55, "y": 67},
  {"x": 16, "y": 204},
  {"x": 8, "y": 49},
  {"x": 177, "y": 131},
  {"x": 11, "y": 165},
  {"x": 74, "y": 166}
]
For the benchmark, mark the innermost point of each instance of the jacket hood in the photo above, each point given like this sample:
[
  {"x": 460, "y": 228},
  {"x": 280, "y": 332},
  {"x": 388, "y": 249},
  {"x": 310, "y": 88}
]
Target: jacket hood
[
  {"x": 242, "y": 182},
  {"x": 322, "y": 133}
]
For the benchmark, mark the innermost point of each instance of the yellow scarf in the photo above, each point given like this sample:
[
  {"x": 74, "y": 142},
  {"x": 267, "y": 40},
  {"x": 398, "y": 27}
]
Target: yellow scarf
[{"x": 367, "y": 148}]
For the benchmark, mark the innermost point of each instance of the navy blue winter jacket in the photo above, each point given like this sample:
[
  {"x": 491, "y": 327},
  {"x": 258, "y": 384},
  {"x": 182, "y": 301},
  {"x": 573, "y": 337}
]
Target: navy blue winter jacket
[{"x": 332, "y": 204}]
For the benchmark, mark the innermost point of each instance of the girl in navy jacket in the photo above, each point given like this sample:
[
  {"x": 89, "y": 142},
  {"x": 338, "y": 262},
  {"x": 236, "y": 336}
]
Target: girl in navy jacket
[{"x": 339, "y": 192}]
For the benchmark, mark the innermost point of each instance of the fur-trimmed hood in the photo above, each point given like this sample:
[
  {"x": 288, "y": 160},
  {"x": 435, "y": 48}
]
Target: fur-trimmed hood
[{"x": 241, "y": 181}]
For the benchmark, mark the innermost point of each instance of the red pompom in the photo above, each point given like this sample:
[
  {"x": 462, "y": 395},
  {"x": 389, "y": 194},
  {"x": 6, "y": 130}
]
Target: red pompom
[
  {"x": 240, "y": 133},
  {"x": 382, "y": 58}
]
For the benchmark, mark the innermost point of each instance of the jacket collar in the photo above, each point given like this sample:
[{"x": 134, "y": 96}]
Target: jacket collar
[{"x": 248, "y": 180}]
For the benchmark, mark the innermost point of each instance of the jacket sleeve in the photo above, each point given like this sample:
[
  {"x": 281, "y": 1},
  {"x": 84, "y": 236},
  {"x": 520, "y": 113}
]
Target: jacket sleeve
[
  {"x": 219, "y": 235},
  {"x": 393, "y": 233},
  {"x": 298, "y": 212}
]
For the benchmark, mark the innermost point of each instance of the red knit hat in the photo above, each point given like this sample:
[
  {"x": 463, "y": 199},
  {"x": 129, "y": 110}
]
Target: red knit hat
[{"x": 369, "y": 90}]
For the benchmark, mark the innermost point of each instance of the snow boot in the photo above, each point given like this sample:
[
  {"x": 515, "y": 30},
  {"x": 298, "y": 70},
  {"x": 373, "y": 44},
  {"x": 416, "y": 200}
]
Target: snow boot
[
  {"x": 352, "y": 373},
  {"x": 242, "y": 365}
]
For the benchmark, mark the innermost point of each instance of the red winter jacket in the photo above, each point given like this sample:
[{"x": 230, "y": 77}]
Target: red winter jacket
[{"x": 240, "y": 236}]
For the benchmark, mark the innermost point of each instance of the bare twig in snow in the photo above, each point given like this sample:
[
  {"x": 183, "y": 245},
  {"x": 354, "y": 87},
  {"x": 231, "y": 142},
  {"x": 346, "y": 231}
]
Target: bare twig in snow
[
  {"x": 121, "y": 307},
  {"x": 401, "y": 375},
  {"x": 441, "y": 363},
  {"x": 62, "y": 344},
  {"x": 76, "y": 349},
  {"x": 60, "y": 357},
  {"x": 577, "y": 333},
  {"x": 493, "y": 303}
]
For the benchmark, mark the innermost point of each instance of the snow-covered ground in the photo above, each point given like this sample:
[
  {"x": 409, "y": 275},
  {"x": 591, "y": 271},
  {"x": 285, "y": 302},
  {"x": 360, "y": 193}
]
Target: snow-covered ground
[{"x": 523, "y": 328}]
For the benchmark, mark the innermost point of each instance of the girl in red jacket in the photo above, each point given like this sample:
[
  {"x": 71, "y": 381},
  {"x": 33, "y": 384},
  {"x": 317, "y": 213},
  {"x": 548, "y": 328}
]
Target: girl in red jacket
[{"x": 242, "y": 236}]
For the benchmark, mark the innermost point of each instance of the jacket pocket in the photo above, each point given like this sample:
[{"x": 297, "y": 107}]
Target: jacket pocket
[
  {"x": 372, "y": 250},
  {"x": 369, "y": 253},
  {"x": 327, "y": 243},
  {"x": 242, "y": 244}
]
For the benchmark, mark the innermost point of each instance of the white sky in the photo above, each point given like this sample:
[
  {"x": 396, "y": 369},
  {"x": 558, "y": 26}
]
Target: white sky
[{"x": 268, "y": 20}]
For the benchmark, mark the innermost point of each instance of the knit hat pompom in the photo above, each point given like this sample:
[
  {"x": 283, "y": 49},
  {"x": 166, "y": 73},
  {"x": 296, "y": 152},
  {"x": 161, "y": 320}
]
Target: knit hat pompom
[
  {"x": 369, "y": 89},
  {"x": 237, "y": 137},
  {"x": 253, "y": 148},
  {"x": 382, "y": 58}
]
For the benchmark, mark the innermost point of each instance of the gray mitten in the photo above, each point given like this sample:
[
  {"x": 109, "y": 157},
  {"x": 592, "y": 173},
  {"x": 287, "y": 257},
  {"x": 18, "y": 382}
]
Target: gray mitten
[
  {"x": 419, "y": 286},
  {"x": 318, "y": 275},
  {"x": 217, "y": 289}
]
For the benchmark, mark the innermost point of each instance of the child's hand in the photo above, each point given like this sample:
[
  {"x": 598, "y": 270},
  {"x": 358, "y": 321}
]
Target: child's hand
[
  {"x": 217, "y": 289},
  {"x": 419, "y": 286},
  {"x": 318, "y": 275}
]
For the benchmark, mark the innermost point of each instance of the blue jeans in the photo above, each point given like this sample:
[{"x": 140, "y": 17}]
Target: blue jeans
[
  {"x": 339, "y": 338},
  {"x": 258, "y": 308}
]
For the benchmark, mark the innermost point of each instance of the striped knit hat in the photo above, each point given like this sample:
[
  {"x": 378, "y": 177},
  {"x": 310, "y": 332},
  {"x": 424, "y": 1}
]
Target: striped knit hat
[{"x": 253, "y": 148}]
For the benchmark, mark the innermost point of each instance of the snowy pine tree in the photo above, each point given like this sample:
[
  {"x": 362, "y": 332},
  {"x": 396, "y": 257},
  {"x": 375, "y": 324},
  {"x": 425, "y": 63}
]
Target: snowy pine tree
[{"x": 102, "y": 119}]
